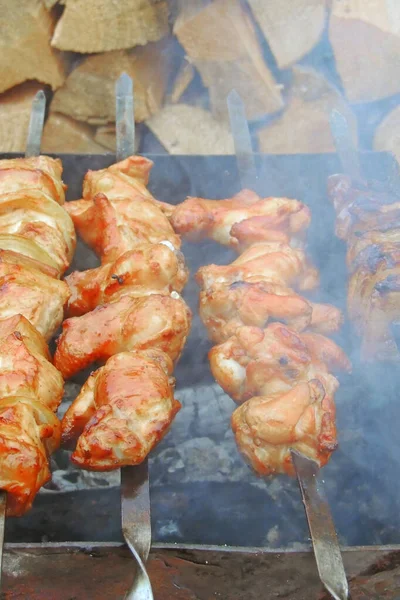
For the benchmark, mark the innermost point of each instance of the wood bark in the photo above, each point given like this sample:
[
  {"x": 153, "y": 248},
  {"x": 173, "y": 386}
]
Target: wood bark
[
  {"x": 25, "y": 52},
  {"x": 184, "y": 129},
  {"x": 220, "y": 40},
  {"x": 62, "y": 134},
  {"x": 15, "y": 110},
  {"x": 365, "y": 37},
  {"x": 291, "y": 28},
  {"x": 89, "y": 91},
  {"x": 102, "y": 25},
  {"x": 304, "y": 125}
]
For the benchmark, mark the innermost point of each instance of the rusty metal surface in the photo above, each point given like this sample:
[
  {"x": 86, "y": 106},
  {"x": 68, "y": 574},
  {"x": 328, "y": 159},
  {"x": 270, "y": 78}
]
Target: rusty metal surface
[{"x": 58, "y": 573}]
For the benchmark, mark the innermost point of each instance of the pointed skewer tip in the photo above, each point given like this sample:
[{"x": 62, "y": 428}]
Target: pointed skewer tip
[{"x": 124, "y": 84}]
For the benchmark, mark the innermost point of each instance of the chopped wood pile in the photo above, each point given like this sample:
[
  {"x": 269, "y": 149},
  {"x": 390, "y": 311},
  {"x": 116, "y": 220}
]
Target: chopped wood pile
[{"x": 291, "y": 62}]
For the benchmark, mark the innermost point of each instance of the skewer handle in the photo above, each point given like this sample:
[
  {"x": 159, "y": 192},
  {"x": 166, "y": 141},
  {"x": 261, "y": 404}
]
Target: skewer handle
[{"x": 322, "y": 529}]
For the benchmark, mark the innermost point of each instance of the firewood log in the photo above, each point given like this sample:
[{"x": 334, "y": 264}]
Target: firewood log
[
  {"x": 89, "y": 92},
  {"x": 102, "y": 25},
  {"x": 63, "y": 134},
  {"x": 291, "y": 28},
  {"x": 365, "y": 37},
  {"x": 182, "y": 81},
  {"x": 25, "y": 51},
  {"x": 220, "y": 40},
  {"x": 184, "y": 129},
  {"x": 49, "y": 3},
  {"x": 15, "y": 110},
  {"x": 105, "y": 135},
  {"x": 304, "y": 125}
]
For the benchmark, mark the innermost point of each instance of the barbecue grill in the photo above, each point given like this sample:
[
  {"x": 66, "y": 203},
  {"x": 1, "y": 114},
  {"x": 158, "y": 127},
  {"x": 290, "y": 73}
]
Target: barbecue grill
[{"x": 208, "y": 508}]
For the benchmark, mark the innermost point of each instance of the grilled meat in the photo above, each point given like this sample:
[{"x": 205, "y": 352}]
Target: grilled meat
[
  {"x": 149, "y": 269},
  {"x": 267, "y": 428},
  {"x": 368, "y": 218},
  {"x": 241, "y": 221},
  {"x": 31, "y": 389},
  {"x": 124, "y": 409},
  {"x": 269, "y": 262},
  {"x": 271, "y": 361},
  {"x": 154, "y": 321},
  {"x": 37, "y": 240}
]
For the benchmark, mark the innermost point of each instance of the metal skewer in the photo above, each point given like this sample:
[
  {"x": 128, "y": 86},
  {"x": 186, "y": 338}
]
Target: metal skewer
[
  {"x": 36, "y": 121},
  {"x": 319, "y": 518},
  {"x": 344, "y": 145},
  {"x": 135, "y": 492},
  {"x": 33, "y": 143},
  {"x": 322, "y": 529},
  {"x": 242, "y": 140}
]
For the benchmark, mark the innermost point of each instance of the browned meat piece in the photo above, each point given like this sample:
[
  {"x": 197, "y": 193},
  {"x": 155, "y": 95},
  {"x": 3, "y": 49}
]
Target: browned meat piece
[
  {"x": 267, "y": 428},
  {"x": 271, "y": 361},
  {"x": 149, "y": 269},
  {"x": 154, "y": 321},
  {"x": 269, "y": 262},
  {"x": 31, "y": 389},
  {"x": 123, "y": 411},
  {"x": 242, "y": 220}
]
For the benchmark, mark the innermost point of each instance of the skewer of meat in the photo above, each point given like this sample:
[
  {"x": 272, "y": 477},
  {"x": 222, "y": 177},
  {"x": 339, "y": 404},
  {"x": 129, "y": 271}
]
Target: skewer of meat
[
  {"x": 37, "y": 240},
  {"x": 280, "y": 376},
  {"x": 367, "y": 220},
  {"x": 133, "y": 320}
]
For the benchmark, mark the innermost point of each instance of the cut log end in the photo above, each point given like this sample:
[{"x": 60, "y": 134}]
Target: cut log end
[
  {"x": 221, "y": 42},
  {"x": 28, "y": 27},
  {"x": 62, "y": 134},
  {"x": 184, "y": 129},
  {"x": 15, "y": 110},
  {"x": 304, "y": 126},
  {"x": 87, "y": 26}
]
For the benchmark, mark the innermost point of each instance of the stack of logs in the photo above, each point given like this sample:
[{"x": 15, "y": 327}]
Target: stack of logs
[{"x": 291, "y": 62}]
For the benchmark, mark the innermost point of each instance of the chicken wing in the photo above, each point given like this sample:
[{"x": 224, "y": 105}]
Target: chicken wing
[
  {"x": 242, "y": 220},
  {"x": 224, "y": 308},
  {"x": 269, "y": 262},
  {"x": 271, "y": 361},
  {"x": 361, "y": 207},
  {"x": 123, "y": 411},
  {"x": 36, "y": 296},
  {"x": 149, "y": 269},
  {"x": 125, "y": 179},
  {"x": 31, "y": 388},
  {"x": 325, "y": 318},
  {"x": 113, "y": 228},
  {"x": 154, "y": 321},
  {"x": 267, "y": 428},
  {"x": 373, "y": 304}
]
